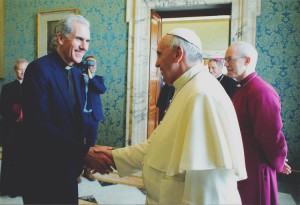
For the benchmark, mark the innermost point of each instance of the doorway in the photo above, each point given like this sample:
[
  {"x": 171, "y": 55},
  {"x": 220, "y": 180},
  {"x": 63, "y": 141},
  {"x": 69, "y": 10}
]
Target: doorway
[
  {"x": 211, "y": 23},
  {"x": 138, "y": 15}
]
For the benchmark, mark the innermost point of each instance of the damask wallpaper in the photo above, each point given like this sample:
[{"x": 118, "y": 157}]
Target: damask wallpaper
[
  {"x": 278, "y": 45},
  {"x": 277, "y": 41}
]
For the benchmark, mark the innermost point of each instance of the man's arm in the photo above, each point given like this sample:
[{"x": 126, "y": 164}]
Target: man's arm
[{"x": 127, "y": 160}]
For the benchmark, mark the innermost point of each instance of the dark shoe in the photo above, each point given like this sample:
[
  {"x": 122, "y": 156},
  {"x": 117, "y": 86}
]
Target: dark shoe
[
  {"x": 79, "y": 179},
  {"x": 89, "y": 176}
]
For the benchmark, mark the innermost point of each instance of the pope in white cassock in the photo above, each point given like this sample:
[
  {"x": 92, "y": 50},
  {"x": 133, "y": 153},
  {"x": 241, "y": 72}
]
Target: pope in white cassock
[{"x": 195, "y": 155}]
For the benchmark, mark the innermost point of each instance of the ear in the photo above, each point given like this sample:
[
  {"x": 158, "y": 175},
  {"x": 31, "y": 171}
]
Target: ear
[
  {"x": 179, "y": 54},
  {"x": 60, "y": 38},
  {"x": 248, "y": 60}
]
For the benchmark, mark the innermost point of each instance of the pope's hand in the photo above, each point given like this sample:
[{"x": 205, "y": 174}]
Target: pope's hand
[
  {"x": 106, "y": 151},
  {"x": 98, "y": 161}
]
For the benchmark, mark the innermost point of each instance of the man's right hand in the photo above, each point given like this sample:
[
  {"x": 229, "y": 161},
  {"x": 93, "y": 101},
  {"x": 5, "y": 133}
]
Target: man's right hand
[{"x": 96, "y": 161}]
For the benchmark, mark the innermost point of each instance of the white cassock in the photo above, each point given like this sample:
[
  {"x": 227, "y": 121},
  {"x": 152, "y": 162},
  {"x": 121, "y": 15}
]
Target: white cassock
[{"x": 195, "y": 155}]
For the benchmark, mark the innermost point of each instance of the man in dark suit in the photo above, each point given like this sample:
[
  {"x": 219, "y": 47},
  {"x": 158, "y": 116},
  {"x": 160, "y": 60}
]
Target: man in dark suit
[
  {"x": 164, "y": 99},
  {"x": 54, "y": 150},
  {"x": 215, "y": 66},
  {"x": 11, "y": 111},
  {"x": 93, "y": 86}
]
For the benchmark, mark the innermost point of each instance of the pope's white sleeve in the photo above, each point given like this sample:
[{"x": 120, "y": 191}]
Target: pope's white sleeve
[{"x": 129, "y": 160}]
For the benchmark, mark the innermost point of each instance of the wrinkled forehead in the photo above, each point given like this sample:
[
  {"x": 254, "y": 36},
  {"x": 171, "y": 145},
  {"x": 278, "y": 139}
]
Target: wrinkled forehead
[
  {"x": 164, "y": 44},
  {"x": 232, "y": 50}
]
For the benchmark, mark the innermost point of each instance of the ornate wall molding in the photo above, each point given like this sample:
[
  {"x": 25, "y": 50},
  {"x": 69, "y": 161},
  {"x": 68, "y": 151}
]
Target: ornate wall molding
[{"x": 243, "y": 27}]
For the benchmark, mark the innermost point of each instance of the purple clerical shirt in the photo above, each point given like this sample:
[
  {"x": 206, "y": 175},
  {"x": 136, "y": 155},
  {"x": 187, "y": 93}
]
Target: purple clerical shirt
[{"x": 258, "y": 108}]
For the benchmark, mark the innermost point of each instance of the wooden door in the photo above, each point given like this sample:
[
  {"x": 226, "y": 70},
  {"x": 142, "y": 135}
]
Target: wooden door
[{"x": 154, "y": 73}]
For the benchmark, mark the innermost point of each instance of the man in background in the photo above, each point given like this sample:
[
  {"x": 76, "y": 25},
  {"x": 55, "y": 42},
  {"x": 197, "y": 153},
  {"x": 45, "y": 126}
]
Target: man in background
[
  {"x": 11, "y": 112},
  {"x": 164, "y": 99},
  {"x": 258, "y": 108},
  {"x": 215, "y": 66},
  {"x": 92, "y": 111}
]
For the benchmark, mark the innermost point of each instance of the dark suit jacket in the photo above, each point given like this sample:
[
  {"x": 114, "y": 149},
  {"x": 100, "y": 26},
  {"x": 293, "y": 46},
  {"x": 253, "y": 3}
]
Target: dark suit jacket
[
  {"x": 10, "y": 109},
  {"x": 10, "y": 106},
  {"x": 53, "y": 147},
  {"x": 96, "y": 87},
  {"x": 163, "y": 101},
  {"x": 229, "y": 84}
]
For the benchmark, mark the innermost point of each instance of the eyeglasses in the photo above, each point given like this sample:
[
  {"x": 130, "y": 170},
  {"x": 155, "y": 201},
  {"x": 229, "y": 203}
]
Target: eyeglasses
[{"x": 230, "y": 59}]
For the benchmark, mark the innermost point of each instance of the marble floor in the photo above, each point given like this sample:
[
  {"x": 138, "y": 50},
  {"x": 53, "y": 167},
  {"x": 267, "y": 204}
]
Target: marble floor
[
  {"x": 107, "y": 193},
  {"x": 97, "y": 192},
  {"x": 110, "y": 189}
]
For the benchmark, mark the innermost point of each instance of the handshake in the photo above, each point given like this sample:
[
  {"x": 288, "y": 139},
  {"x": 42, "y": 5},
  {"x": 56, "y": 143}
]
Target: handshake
[{"x": 99, "y": 159}]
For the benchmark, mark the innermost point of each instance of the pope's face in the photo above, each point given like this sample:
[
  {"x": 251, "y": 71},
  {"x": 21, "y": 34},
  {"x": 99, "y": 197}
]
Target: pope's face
[
  {"x": 74, "y": 47},
  {"x": 166, "y": 62}
]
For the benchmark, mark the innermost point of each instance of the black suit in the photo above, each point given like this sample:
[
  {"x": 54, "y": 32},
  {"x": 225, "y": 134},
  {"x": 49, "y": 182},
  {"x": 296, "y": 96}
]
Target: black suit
[
  {"x": 10, "y": 108},
  {"x": 164, "y": 98},
  {"x": 53, "y": 147},
  {"x": 228, "y": 84}
]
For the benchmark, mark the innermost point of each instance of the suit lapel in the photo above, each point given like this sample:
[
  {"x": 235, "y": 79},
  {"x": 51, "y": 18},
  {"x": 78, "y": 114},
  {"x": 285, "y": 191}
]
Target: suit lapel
[
  {"x": 60, "y": 80},
  {"x": 77, "y": 80}
]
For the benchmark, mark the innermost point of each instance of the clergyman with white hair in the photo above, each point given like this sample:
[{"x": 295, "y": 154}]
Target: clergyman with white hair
[
  {"x": 195, "y": 155},
  {"x": 258, "y": 108}
]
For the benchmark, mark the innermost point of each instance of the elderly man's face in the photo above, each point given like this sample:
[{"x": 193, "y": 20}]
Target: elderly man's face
[
  {"x": 74, "y": 47},
  {"x": 214, "y": 69},
  {"x": 166, "y": 62},
  {"x": 235, "y": 64},
  {"x": 20, "y": 70}
]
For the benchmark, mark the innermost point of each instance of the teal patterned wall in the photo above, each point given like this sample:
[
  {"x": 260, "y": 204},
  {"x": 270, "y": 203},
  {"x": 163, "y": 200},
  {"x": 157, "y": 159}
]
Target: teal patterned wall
[
  {"x": 278, "y": 44},
  {"x": 108, "y": 43}
]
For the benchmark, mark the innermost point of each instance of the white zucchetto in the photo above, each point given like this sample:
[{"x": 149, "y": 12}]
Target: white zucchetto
[{"x": 187, "y": 35}]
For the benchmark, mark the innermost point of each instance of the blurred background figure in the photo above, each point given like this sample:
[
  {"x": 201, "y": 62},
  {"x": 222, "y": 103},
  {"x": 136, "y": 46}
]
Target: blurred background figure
[
  {"x": 164, "y": 99},
  {"x": 11, "y": 111},
  {"x": 215, "y": 66},
  {"x": 92, "y": 112}
]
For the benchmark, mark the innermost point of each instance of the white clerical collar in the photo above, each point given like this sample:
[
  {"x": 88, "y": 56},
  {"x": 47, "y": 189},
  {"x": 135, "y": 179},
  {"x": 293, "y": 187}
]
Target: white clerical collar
[
  {"x": 20, "y": 81},
  {"x": 219, "y": 75},
  {"x": 68, "y": 67}
]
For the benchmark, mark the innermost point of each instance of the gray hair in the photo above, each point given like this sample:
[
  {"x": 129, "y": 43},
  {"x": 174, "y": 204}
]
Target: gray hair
[
  {"x": 246, "y": 49},
  {"x": 21, "y": 60},
  {"x": 193, "y": 53},
  {"x": 218, "y": 61},
  {"x": 65, "y": 25}
]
